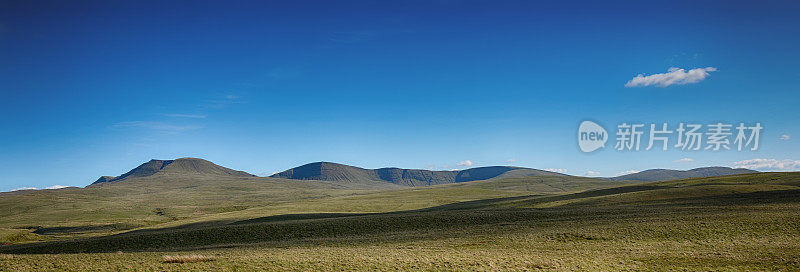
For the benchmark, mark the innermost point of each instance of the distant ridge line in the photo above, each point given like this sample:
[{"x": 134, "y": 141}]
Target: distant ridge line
[
  {"x": 669, "y": 174},
  {"x": 330, "y": 171}
]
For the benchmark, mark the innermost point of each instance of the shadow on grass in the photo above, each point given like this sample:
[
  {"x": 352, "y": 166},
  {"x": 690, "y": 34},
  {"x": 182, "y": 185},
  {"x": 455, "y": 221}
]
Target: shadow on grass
[{"x": 83, "y": 229}]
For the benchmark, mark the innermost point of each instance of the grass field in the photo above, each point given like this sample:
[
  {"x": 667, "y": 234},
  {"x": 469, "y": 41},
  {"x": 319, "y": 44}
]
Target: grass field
[
  {"x": 172, "y": 200},
  {"x": 732, "y": 223}
]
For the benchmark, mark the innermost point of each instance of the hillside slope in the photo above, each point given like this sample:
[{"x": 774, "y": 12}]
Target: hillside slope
[
  {"x": 407, "y": 177},
  {"x": 165, "y": 199},
  {"x": 668, "y": 174},
  {"x": 754, "y": 208},
  {"x": 178, "y": 166}
]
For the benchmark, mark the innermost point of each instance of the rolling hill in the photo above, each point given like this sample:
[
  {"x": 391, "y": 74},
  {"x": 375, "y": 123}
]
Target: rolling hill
[
  {"x": 488, "y": 218},
  {"x": 741, "y": 222},
  {"x": 667, "y": 174},
  {"x": 407, "y": 177},
  {"x": 178, "y": 166},
  {"x": 171, "y": 192},
  {"x": 162, "y": 193}
]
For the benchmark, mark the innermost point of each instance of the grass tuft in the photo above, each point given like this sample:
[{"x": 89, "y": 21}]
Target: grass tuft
[{"x": 193, "y": 258}]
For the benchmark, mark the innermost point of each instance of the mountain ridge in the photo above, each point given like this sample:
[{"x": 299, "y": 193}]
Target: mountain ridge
[
  {"x": 330, "y": 171},
  {"x": 670, "y": 174}
]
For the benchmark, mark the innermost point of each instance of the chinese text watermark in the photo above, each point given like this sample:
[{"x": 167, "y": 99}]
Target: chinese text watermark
[{"x": 683, "y": 136}]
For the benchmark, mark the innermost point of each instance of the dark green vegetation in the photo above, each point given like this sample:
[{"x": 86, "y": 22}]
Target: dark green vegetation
[
  {"x": 541, "y": 222},
  {"x": 407, "y": 177},
  {"x": 667, "y": 174}
]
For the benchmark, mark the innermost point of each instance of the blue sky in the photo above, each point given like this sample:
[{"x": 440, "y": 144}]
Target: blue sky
[{"x": 93, "y": 88}]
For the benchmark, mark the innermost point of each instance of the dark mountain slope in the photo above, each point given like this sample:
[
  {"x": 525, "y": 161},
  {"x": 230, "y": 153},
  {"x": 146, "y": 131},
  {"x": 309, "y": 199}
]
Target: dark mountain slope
[
  {"x": 668, "y": 174},
  {"x": 408, "y": 177}
]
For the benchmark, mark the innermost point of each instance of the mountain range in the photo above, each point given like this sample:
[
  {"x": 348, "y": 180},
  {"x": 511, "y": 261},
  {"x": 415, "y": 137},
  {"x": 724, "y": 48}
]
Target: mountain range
[
  {"x": 408, "y": 177},
  {"x": 192, "y": 193},
  {"x": 335, "y": 172}
]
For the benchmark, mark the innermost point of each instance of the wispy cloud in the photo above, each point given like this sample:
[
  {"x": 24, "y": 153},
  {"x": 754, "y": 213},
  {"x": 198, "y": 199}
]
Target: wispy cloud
[
  {"x": 466, "y": 163},
  {"x": 785, "y": 137},
  {"x": 674, "y": 76},
  {"x": 684, "y": 160},
  {"x": 592, "y": 173},
  {"x": 511, "y": 160},
  {"x": 157, "y": 126},
  {"x": 556, "y": 170},
  {"x": 181, "y": 115},
  {"x": 769, "y": 164},
  {"x": 267, "y": 174},
  {"x": 223, "y": 102},
  {"x": 627, "y": 172},
  {"x": 46, "y": 188}
]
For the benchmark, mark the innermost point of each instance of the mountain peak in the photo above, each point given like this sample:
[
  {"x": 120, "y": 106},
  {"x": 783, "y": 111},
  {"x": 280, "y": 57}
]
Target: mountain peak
[{"x": 177, "y": 166}]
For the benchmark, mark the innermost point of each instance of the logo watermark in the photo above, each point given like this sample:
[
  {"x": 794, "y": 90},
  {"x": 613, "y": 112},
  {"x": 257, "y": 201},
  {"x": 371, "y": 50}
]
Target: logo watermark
[
  {"x": 591, "y": 136},
  {"x": 685, "y": 136}
]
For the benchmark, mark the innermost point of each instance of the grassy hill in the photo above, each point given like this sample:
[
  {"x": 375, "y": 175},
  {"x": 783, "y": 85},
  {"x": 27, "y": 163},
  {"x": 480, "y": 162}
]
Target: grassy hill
[
  {"x": 668, "y": 174},
  {"x": 406, "y": 177},
  {"x": 186, "y": 191},
  {"x": 150, "y": 200},
  {"x": 176, "y": 167},
  {"x": 511, "y": 221},
  {"x": 741, "y": 222}
]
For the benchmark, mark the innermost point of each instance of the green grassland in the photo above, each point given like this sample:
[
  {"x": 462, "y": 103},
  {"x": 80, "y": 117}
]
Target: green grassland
[
  {"x": 745, "y": 222},
  {"x": 165, "y": 200}
]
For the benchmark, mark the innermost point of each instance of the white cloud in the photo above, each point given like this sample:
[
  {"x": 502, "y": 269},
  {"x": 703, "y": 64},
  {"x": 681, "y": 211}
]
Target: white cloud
[
  {"x": 785, "y": 137},
  {"x": 46, "y": 188},
  {"x": 684, "y": 160},
  {"x": 627, "y": 172},
  {"x": 267, "y": 174},
  {"x": 557, "y": 170},
  {"x": 511, "y": 160},
  {"x": 675, "y": 76},
  {"x": 592, "y": 173},
  {"x": 466, "y": 163},
  {"x": 769, "y": 164},
  {"x": 228, "y": 100},
  {"x": 157, "y": 126}
]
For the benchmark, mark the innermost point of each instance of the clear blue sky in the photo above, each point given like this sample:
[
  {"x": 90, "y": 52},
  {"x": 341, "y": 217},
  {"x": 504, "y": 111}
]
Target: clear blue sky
[{"x": 93, "y": 88}]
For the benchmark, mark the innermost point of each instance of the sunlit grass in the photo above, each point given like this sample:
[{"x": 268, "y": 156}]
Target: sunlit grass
[
  {"x": 749, "y": 223},
  {"x": 191, "y": 258}
]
